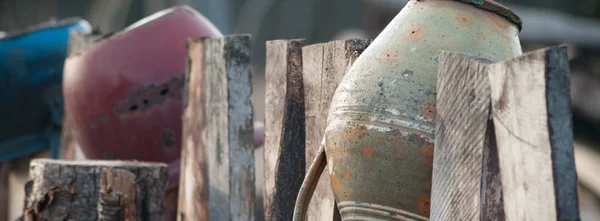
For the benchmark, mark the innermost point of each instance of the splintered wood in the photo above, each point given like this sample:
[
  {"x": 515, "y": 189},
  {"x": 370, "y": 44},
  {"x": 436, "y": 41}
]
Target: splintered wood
[
  {"x": 284, "y": 149},
  {"x": 218, "y": 148},
  {"x": 524, "y": 163},
  {"x": 81, "y": 190},
  {"x": 324, "y": 65}
]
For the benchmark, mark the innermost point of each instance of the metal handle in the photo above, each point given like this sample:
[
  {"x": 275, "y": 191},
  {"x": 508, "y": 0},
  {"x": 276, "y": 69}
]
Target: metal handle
[{"x": 309, "y": 184}]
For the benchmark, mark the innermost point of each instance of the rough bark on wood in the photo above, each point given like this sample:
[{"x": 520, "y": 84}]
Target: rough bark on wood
[
  {"x": 323, "y": 66},
  {"x": 225, "y": 133},
  {"x": 95, "y": 190},
  {"x": 532, "y": 122},
  {"x": 284, "y": 149},
  {"x": 117, "y": 195},
  {"x": 460, "y": 137}
]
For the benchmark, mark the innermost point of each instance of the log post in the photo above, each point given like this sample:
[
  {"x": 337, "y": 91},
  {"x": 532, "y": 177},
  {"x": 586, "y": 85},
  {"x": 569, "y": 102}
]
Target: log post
[
  {"x": 95, "y": 190},
  {"x": 284, "y": 149},
  {"x": 460, "y": 137},
  {"x": 218, "y": 149},
  {"x": 323, "y": 66},
  {"x": 533, "y": 127}
]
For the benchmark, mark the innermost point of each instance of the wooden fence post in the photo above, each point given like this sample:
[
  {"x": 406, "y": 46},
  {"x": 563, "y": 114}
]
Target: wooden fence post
[
  {"x": 460, "y": 135},
  {"x": 519, "y": 164},
  {"x": 533, "y": 127},
  {"x": 83, "y": 190},
  {"x": 284, "y": 152},
  {"x": 218, "y": 147},
  {"x": 323, "y": 66}
]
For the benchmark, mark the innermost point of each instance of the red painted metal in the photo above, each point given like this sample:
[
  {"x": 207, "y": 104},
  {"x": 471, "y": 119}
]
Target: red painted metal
[{"x": 124, "y": 92}]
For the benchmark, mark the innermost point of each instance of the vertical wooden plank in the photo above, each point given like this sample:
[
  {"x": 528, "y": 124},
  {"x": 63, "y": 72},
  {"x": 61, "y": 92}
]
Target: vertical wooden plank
[
  {"x": 532, "y": 122},
  {"x": 4, "y": 191},
  {"x": 229, "y": 132},
  {"x": 193, "y": 181},
  {"x": 323, "y": 66},
  {"x": 217, "y": 178},
  {"x": 284, "y": 152},
  {"x": 461, "y": 123}
]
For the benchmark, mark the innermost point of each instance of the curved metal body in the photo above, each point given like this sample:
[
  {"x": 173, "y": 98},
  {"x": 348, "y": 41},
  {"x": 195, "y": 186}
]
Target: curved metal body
[
  {"x": 124, "y": 92},
  {"x": 379, "y": 139},
  {"x": 31, "y": 67}
]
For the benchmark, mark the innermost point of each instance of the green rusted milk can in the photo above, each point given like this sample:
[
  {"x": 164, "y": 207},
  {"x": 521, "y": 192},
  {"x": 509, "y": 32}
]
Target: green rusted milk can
[{"x": 378, "y": 144}]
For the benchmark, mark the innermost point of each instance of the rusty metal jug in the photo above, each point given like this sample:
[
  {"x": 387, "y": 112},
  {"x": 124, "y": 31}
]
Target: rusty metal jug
[{"x": 378, "y": 144}]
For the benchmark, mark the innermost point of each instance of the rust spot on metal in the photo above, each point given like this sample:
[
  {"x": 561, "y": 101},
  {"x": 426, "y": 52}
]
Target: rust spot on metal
[
  {"x": 143, "y": 98},
  {"x": 424, "y": 204},
  {"x": 464, "y": 20},
  {"x": 355, "y": 133},
  {"x": 168, "y": 138},
  {"x": 415, "y": 33},
  {"x": 428, "y": 111},
  {"x": 334, "y": 183},
  {"x": 368, "y": 152},
  {"x": 481, "y": 36}
]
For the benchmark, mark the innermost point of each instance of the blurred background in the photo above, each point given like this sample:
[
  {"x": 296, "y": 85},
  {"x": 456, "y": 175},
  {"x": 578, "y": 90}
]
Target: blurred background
[{"x": 546, "y": 22}]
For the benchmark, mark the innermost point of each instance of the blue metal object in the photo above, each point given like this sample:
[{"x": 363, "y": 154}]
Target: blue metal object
[{"x": 31, "y": 102}]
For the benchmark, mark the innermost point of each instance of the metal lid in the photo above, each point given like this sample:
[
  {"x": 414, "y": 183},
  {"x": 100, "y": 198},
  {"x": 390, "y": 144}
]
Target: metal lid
[{"x": 493, "y": 6}]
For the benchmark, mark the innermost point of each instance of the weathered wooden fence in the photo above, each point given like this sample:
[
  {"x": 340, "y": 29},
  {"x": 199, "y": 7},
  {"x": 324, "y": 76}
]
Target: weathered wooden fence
[{"x": 503, "y": 149}]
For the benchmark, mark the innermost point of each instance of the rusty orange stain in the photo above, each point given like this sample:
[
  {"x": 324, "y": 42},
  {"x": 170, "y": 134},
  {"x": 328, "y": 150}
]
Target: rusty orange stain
[
  {"x": 346, "y": 197},
  {"x": 348, "y": 175},
  {"x": 464, "y": 20},
  {"x": 481, "y": 36},
  {"x": 368, "y": 152},
  {"x": 334, "y": 183},
  {"x": 499, "y": 23},
  {"x": 428, "y": 111},
  {"x": 355, "y": 133},
  {"x": 427, "y": 149},
  {"x": 415, "y": 33},
  {"x": 388, "y": 55},
  {"x": 424, "y": 204}
]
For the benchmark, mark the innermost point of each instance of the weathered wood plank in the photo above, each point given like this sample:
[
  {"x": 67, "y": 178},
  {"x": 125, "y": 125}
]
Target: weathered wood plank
[
  {"x": 193, "y": 181},
  {"x": 532, "y": 122},
  {"x": 461, "y": 123},
  {"x": 284, "y": 149},
  {"x": 323, "y": 66},
  {"x": 221, "y": 136},
  {"x": 76, "y": 189}
]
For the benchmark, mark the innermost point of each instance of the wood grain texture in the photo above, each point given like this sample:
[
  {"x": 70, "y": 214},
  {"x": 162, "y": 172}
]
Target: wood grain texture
[
  {"x": 532, "y": 122},
  {"x": 461, "y": 123},
  {"x": 193, "y": 199},
  {"x": 76, "y": 188},
  {"x": 219, "y": 89},
  {"x": 284, "y": 149},
  {"x": 117, "y": 195},
  {"x": 323, "y": 66}
]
